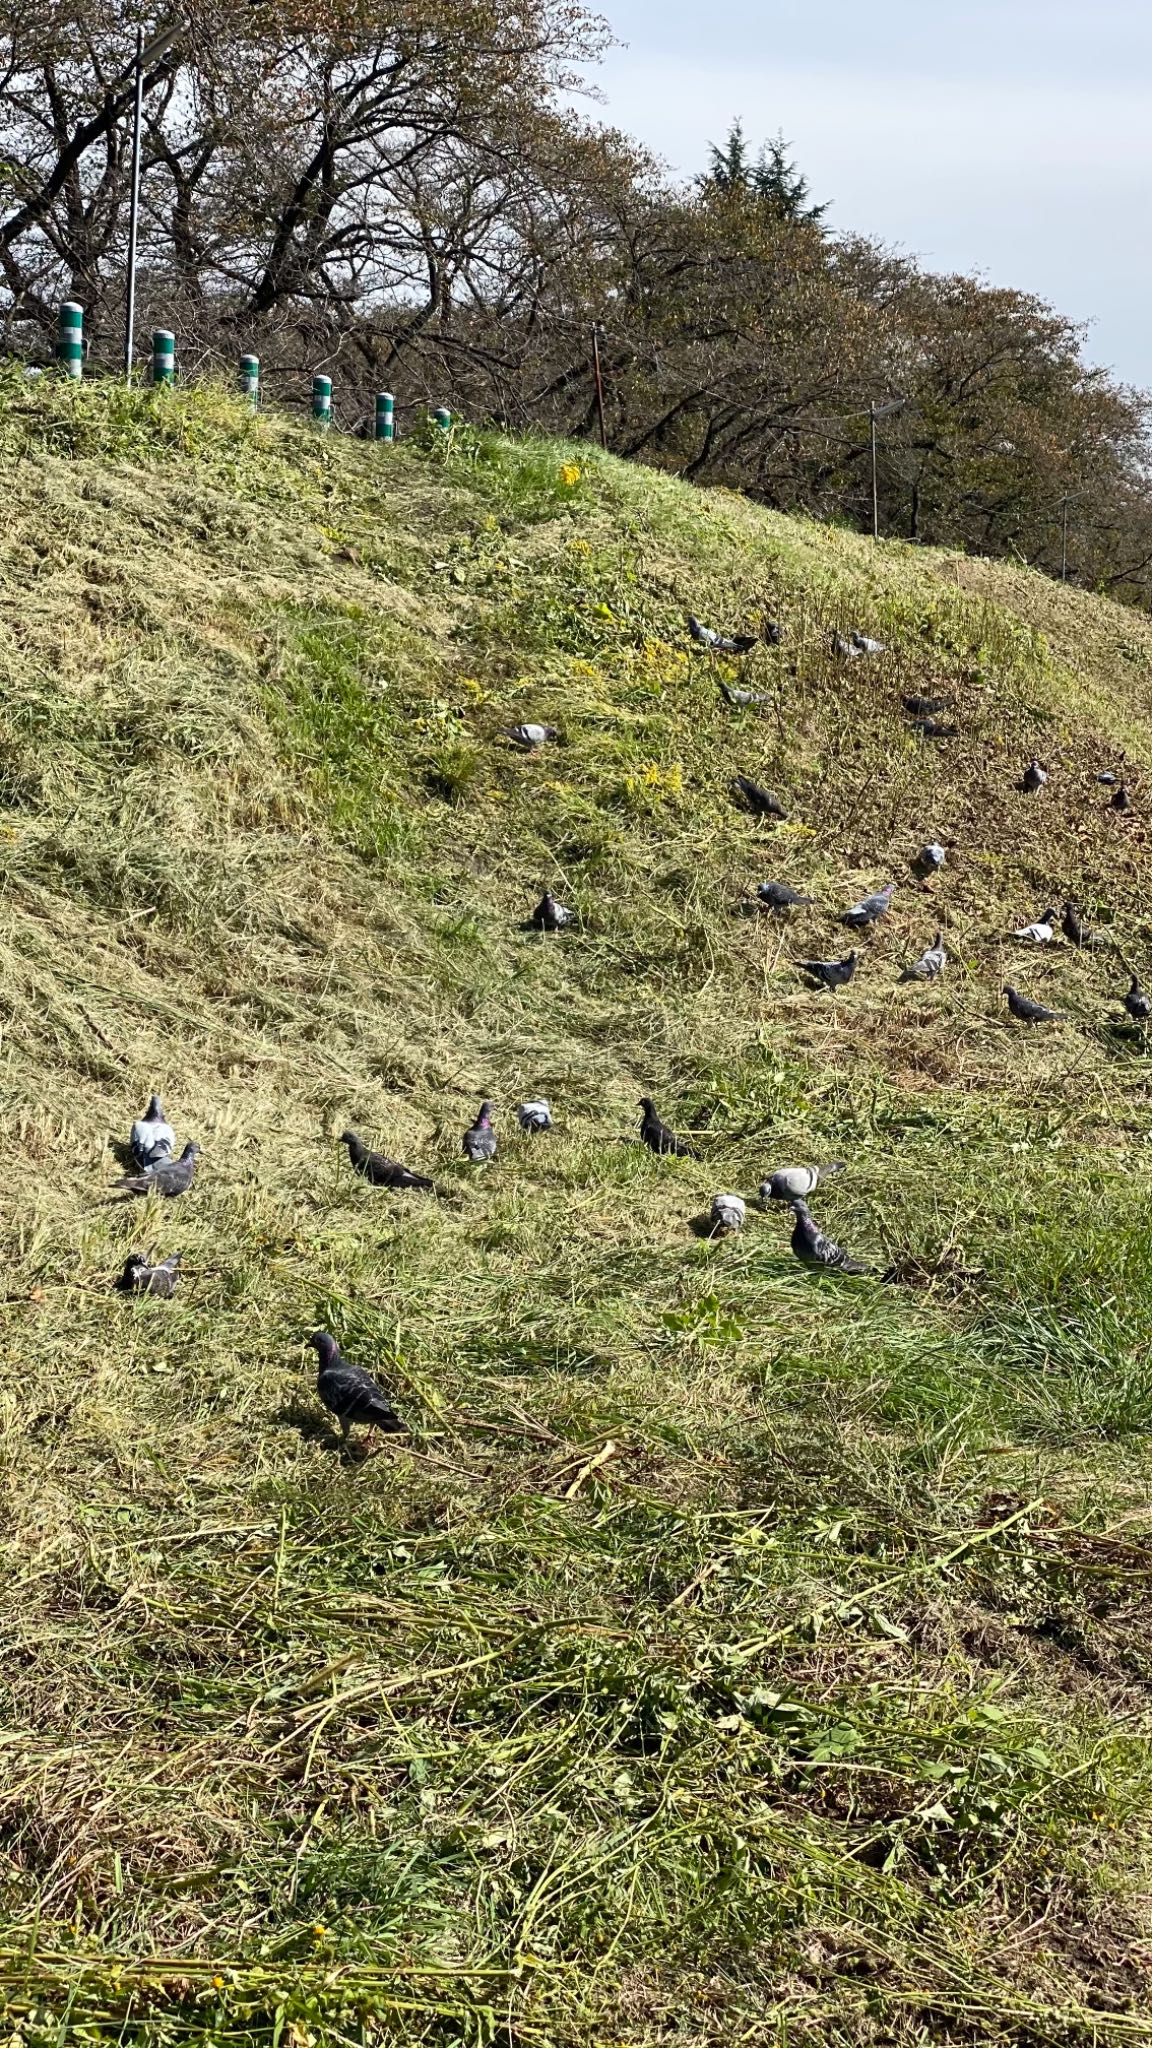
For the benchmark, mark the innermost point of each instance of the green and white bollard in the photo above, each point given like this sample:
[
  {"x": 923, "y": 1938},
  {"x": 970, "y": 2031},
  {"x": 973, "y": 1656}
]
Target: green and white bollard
[
  {"x": 163, "y": 356},
  {"x": 322, "y": 400},
  {"x": 250, "y": 380},
  {"x": 70, "y": 338},
  {"x": 385, "y": 416},
  {"x": 443, "y": 419}
]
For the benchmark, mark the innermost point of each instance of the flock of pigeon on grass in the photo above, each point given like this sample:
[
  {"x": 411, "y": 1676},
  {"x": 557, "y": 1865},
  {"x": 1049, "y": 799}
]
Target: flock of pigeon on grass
[{"x": 350, "y": 1393}]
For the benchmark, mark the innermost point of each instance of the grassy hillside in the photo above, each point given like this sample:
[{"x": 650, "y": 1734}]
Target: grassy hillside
[{"x": 730, "y": 1654}]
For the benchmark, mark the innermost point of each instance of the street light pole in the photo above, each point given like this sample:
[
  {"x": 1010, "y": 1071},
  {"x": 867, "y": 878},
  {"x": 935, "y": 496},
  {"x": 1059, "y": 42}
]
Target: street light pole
[
  {"x": 1064, "y": 539},
  {"x": 875, "y": 472},
  {"x": 599, "y": 376},
  {"x": 134, "y": 206}
]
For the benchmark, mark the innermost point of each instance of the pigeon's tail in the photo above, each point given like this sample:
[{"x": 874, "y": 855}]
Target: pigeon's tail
[{"x": 834, "y": 1166}]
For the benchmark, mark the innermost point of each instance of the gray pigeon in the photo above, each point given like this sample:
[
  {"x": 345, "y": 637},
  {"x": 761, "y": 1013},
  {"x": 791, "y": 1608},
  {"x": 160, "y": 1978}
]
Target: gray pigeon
[
  {"x": 657, "y": 1136},
  {"x": 1108, "y": 778},
  {"x": 479, "y": 1142},
  {"x": 831, "y": 973},
  {"x": 812, "y": 1248},
  {"x": 796, "y": 1183},
  {"x": 139, "y": 1277},
  {"x": 535, "y": 1116},
  {"x": 348, "y": 1392},
  {"x": 931, "y": 963},
  {"x": 1137, "y": 1004},
  {"x": 727, "y": 1215},
  {"x": 531, "y": 737},
  {"x": 772, "y": 633},
  {"x": 1028, "y": 1012},
  {"x": 168, "y": 1177},
  {"x": 152, "y": 1137},
  {"x": 1033, "y": 778},
  {"x": 925, "y": 707},
  {"x": 863, "y": 645},
  {"x": 756, "y": 798},
  {"x": 780, "y": 896},
  {"x": 870, "y": 908},
  {"x": 740, "y": 698},
  {"x": 720, "y": 643},
  {"x": 929, "y": 860},
  {"x": 379, "y": 1170},
  {"x": 1073, "y": 927},
  {"x": 1040, "y": 932},
  {"x": 846, "y": 649},
  {"x": 549, "y": 915}
]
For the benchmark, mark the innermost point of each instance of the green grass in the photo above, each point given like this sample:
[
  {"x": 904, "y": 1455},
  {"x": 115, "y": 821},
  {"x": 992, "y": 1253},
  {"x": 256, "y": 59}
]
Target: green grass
[{"x": 729, "y": 1655}]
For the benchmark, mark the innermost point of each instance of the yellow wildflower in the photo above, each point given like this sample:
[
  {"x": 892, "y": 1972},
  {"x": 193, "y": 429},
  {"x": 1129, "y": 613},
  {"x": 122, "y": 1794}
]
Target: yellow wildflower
[{"x": 569, "y": 474}]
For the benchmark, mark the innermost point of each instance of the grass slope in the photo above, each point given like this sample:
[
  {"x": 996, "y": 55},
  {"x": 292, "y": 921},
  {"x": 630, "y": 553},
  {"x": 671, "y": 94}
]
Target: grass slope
[{"x": 730, "y": 1655}]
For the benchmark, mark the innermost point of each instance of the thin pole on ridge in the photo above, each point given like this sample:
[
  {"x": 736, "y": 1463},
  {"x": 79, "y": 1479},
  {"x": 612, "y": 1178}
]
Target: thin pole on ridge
[
  {"x": 134, "y": 208},
  {"x": 598, "y": 374}
]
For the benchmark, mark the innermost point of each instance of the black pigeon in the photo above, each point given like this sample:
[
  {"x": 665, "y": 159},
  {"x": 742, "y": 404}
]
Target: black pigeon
[
  {"x": 657, "y": 1136},
  {"x": 779, "y": 896},
  {"x": 720, "y": 643},
  {"x": 772, "y": 634},
  {"x": 1137, "y": 1004},
  {"x": 549, "y": 915},
  {"x": 479, "y": 1141},
  {"x": 1033, "y": 778},
  {"x": 925, "y": 707},
  {"x": 756, "y": 799},
  {"x": 139, "y": 1277},
  {"x": 1121, "y": 801},
  {"x": 381, "y": 1171},
  {"x": 934, "y": 729},
  {"x": 1028, "y": 1012},
  {"x": 169, "y": 1177},
  {"x": 739, "y": 699},
  {"x": 1072, "y": 926},
  {"x": 812, "y": 1248},
  {"x": 152, "y": 1137},
  {"x": 349, "y": 1393},
  {"x": 870, "y": 908},
  {"x": 831, "y": 973}
]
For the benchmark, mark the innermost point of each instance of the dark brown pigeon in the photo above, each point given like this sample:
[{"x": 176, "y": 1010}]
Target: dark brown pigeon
[
  {"x": 349, "y": 1393},
  {"x": 756, "y": 799},
  {"x": 656, "y": 1134},
  {"x": 381, "y": 1171}
]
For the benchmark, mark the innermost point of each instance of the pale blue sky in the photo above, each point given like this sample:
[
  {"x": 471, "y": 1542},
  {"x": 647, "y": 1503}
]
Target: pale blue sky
[{"x": 1010, "y": 138}]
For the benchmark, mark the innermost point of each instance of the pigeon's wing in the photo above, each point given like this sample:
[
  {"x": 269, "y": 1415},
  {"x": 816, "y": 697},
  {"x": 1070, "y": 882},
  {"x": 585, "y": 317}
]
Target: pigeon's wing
[{"x": 353, "y": 1394}]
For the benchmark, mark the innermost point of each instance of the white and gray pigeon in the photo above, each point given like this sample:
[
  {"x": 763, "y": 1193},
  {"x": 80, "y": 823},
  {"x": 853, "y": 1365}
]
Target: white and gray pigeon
[
  {"x": 831, "y": 973},
  {"x": 168, "y": 1177},
  {"x": 870, "y": 908},
  {"x": 550, "y": 915},
  {"x": 531, "y": 737},
  {"x": 929, "y": 860},
  {"x": 932, "y": 962},
  {"x": 813, "y": 1248},
  {"x": 152, "y": 1137},
  {"x": 727, "y": 1215},
  {"x": 1040, "y": 932},
  {"x": 479, "y": 1141},
  {"x": 348, "y": 1392},
  {"x": 720, "y": 643},
  {"x": 846, "y": 649},
  {"x": 1028, "y": 1012},
  {"x": 1033, "y": 778},
  {"x": 1137, "y": 1003},
  {"x": 863, "y": 645},
  {"x": 740, "y": 698},
  {"x": 139, "y": 1277},
  {"x": 534, "y": 1116},
  {"x": 796, "y": 1183}
]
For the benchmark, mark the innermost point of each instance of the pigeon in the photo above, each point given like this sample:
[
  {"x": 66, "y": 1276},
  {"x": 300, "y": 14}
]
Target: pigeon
[
  {"x": 168, "y": 1177},
  {"x": 1072, "y": 926},
  {"x": 657, "y": 1136},
  {"x": 831, "y": 973},
  {"x": 1033, "y": 778},
  {"x": 720, "y": 643},
  {"x": 549, "y": 915},
  {"x": 811, "y": 1246},
  {"x": 925, "y": 707},
  {"x": 845, "y": 648},
  {"x": 152, "y": 1137},
  {"x": 756, "y": 799},
  {"x": 773, "y": 633},
  {"x": 727, "y": 1215},
  {"x": 796, "y": 1183},
  {"x": 934, "y": 729},
  {"x": 139, "y": 1277},
  {"x": 929, "y": 860},
  {"x": 870, "y": 908},
  {"x": 479, "y": 1141},
  {"x": 1137, "y": 1004},
  {"x": 382, "y": 1172},
  {"x": 931, "y": 963},
  {"x": 1039, "y": 933},
  {"x": 535, "y": 1116},
  {"x": 530, "y": 737},
  {"x": 1028, "y": 1012},
  {"x": 863, "y": 645},
  {"x": 348, "y": 1392},
  {"x": 1121, "y": 801},
  {"x": 740, "y": 698},
  {"x": 779, "y": 896},
  {"x": 1108, "y": 778}
]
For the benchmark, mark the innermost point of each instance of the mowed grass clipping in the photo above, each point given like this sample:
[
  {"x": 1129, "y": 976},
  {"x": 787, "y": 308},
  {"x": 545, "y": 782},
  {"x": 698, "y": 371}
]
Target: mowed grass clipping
[{"x": 729, "y": 1654}]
